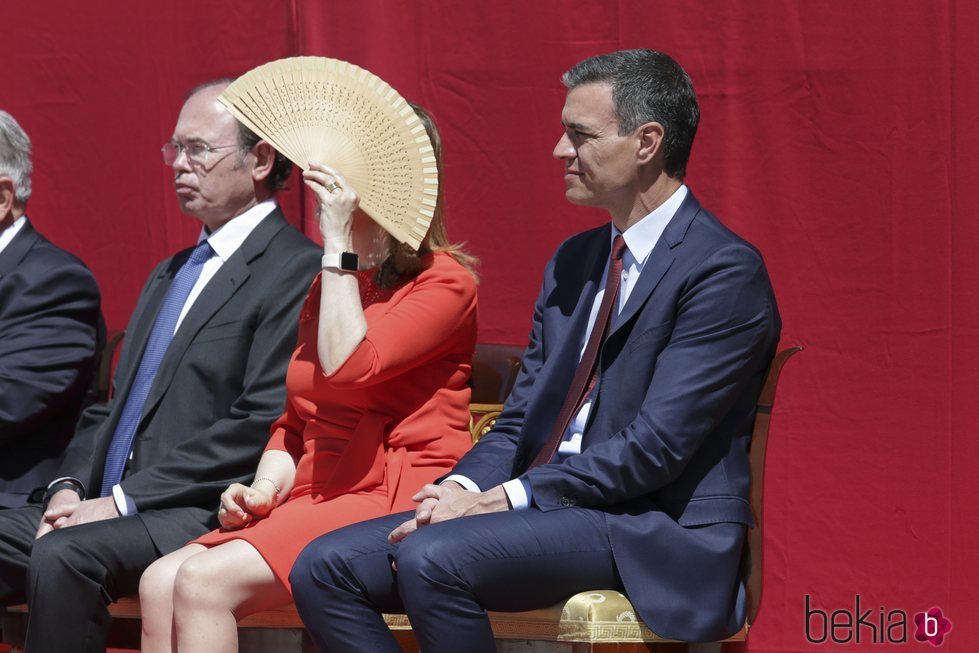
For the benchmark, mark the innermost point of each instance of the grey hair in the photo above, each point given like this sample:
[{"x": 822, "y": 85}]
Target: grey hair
[
  {"x": 15, "y": 156},
  {"x": 647, "y": 86}
]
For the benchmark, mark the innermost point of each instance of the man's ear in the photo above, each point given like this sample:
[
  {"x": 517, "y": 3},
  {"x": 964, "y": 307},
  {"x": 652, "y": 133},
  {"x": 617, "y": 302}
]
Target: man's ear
[
  {"x": 264, "y": 160},
  {"x": 650, "y": 141},
  {"x": 6, "y": 196}
]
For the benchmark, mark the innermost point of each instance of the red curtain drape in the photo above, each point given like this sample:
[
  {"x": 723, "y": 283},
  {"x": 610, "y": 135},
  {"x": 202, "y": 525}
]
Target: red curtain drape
[{"x": 838, "y": 137}]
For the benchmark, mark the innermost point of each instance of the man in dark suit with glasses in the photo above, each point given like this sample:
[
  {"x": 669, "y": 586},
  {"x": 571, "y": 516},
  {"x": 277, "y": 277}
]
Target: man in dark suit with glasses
[{"x": 199, "y": 381}]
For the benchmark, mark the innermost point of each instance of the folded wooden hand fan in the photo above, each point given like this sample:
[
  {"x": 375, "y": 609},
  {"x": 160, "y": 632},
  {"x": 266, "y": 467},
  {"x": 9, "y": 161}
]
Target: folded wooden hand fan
[{"x": 333, "y": 112}]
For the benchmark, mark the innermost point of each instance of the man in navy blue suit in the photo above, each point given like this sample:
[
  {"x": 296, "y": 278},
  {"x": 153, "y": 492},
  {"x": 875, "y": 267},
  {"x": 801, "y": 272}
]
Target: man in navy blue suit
[
  {"x": 50, "y": 333},
  {"x": 620, "y": 460}
]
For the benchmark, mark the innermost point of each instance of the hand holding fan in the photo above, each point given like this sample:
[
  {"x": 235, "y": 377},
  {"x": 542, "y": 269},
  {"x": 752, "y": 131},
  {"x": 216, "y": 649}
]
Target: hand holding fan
[{"x": 331, "y": 111}]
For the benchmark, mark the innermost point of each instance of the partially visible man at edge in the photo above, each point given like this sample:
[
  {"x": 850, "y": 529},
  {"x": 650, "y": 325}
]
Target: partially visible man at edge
[
  {"x": 50, "y": 333},
  {"x": 620, "y": 460},
  {"x": 200, "y": 380}
]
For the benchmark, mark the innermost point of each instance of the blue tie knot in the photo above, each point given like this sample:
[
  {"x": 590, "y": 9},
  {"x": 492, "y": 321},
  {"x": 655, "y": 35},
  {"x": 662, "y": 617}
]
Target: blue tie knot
[{"x": 201, "y": 253}]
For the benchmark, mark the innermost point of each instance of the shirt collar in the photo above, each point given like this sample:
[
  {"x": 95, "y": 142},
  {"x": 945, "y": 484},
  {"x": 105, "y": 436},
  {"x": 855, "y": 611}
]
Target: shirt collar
[
  {"x": 226, "y": 240},
  {"x": 641, "y": 237},
  {"x": 8, "y": 234}
]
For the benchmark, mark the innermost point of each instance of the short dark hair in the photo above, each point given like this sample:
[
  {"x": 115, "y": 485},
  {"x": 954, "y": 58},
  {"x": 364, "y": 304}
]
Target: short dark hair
[
  {"x": 647, "y": 86},
  {"x": 281, "y": 168},
  {"x": 247, "y": 139}
]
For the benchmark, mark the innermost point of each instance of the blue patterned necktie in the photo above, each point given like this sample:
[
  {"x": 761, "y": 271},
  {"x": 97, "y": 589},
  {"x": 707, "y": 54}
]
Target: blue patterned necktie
[{"x": 156, "y": 347}]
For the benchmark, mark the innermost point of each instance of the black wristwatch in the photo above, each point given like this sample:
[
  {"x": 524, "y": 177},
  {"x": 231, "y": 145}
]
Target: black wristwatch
[{"x": 66, "y": 484}]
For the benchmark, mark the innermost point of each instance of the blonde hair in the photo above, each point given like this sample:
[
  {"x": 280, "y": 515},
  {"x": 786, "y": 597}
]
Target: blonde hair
[{"x": 403, "y": 262}]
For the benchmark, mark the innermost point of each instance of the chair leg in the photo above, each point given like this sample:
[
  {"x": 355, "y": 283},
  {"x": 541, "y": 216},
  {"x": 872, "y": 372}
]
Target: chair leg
[
  {"x": 711, "y": 647},
  {"x": 282, "y": 640},
  {"x": 529, "y": 646},
  {"x": 13, "y": 627}
]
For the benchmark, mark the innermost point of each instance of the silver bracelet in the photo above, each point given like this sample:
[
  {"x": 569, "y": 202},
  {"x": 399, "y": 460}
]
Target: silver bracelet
[{"x": 275, "y": 485}]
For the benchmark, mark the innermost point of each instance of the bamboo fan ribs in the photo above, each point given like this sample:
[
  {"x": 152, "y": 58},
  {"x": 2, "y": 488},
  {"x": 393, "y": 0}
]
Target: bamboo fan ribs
[{"x": 333, "y": 112}]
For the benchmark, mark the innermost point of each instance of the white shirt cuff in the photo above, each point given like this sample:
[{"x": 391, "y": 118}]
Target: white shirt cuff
[
  {"x": 463, "y": 481},
  {"x": 517, "y": 494},
  {"x": 124, "y": 504}
]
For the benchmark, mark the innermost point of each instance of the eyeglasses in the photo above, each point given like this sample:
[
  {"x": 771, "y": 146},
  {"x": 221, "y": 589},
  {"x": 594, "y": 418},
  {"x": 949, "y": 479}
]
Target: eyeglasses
[{"x": 197, "y": 152}]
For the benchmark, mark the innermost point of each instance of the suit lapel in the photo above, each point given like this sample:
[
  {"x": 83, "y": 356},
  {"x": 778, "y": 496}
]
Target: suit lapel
[
  {"x": 559, "y": 368},
  {"x": 139, "y": 332},
  {"x": 660, "y": 260},
  {"x": 569, "y": 351},
  {"x": 229, "y": 278}
]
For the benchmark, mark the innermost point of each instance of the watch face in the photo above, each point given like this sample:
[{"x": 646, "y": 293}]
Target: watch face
[{"x": 348, "y": 261}]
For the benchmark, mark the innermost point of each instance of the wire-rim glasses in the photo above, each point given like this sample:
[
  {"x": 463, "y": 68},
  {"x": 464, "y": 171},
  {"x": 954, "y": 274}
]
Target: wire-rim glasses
[{"x": 198, "y": 152}]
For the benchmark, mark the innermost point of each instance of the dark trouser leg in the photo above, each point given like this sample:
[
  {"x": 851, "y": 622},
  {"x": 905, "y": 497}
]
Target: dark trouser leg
[
  {"x": 342, "y": 582},
  {"x": 17, "y": 529},
  {"x": 448, "y": 574},
  {"x": 74, "y": 573}
]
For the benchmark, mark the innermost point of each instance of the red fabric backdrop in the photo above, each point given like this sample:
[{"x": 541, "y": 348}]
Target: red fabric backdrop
[{"x": 836, "y": 136}]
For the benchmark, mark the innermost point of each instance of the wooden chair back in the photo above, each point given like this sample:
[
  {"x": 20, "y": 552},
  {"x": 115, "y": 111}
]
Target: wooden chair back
[
  {"x": 756, "y": 459},
  {"x": 495, "y": 369},
  {"x": 106, "y": 357}
]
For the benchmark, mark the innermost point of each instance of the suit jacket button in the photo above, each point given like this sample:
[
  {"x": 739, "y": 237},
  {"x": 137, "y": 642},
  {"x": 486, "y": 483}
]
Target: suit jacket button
[{"x": 568, "y": 502}]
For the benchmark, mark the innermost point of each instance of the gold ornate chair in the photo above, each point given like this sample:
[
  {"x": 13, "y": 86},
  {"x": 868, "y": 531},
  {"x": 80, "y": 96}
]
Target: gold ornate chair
[{"x": 604, "y": 620}]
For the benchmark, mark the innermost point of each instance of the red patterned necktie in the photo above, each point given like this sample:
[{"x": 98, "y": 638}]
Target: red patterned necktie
[{"x": 584, "y": 375}]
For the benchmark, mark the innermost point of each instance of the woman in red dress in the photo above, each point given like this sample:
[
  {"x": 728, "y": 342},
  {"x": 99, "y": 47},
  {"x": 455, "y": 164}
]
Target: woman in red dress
[{"x": 377, "y": 405}]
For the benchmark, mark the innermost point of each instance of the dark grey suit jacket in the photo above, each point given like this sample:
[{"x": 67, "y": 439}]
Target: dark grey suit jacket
[
  {"x": 665, "y": 453},
  {"x": 50, "y": 330},
  {"x": 219, "y": 388}
]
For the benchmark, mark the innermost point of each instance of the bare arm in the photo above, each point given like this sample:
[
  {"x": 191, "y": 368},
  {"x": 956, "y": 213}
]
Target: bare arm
[{"x": 342, "y": 325}]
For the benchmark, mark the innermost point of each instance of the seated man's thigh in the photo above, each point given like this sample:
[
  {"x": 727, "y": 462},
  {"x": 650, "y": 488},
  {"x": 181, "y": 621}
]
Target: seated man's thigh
[
  {"x": 17, "y": 529},
  {"x": 113, "y": 553},
  {"x": 511, "y": 561},
  {"x": 358, "y": 556}
]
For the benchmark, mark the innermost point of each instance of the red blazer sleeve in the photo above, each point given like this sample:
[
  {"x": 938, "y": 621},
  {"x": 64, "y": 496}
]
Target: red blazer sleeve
[
  {"x": 287, "y": 433},
  {"x": 422, "y": 326}
]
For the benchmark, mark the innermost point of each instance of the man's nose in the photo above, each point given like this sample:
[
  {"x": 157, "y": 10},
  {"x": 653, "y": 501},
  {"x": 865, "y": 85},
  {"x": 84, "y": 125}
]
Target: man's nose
[
  {"x": 563, "y": 149},
  {"x": 182, "y": 162}
]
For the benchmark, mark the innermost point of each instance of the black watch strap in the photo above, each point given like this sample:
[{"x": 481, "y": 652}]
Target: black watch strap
[{"x": 66, "y": 484}]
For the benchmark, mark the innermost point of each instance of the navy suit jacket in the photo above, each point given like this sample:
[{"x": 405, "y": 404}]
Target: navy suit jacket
[
  {"x": 50, "y": 331},
  {"x": 665, "y": 453},
  {"x": 220, "y": 385}
]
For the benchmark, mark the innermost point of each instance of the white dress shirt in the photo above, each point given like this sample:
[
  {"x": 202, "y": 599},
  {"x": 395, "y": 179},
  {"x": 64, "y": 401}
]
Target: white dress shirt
[{"x": 8, "y": 234}]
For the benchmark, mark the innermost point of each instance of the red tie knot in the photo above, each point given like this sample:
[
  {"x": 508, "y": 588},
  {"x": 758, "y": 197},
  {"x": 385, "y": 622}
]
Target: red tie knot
[{"x": 618, "y": 247}]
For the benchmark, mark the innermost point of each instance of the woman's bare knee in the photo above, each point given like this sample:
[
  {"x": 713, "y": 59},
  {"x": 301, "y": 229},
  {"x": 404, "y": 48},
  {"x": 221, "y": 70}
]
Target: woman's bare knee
[
  {"x": 156, "y": 583},
  {"x": 197, "y": 585}
]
